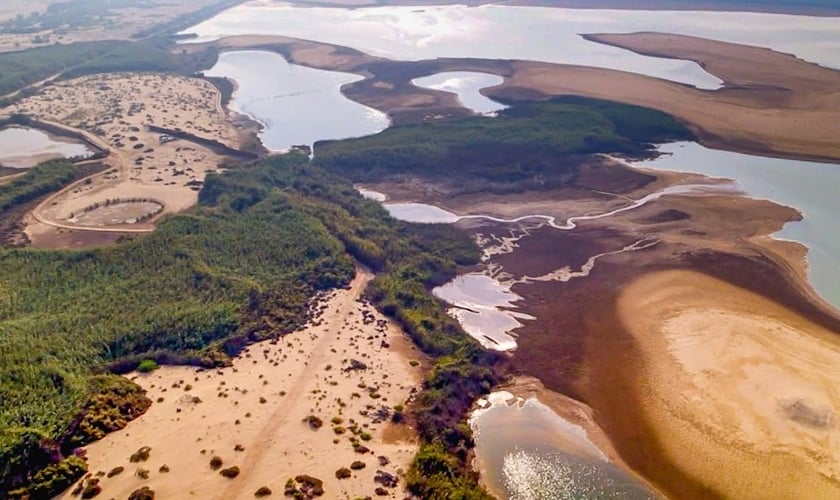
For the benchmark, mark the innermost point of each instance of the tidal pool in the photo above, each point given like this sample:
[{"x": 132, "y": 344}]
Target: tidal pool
[
  {"x": 296, "y": 105},
  {"x": 467, "y": 85},
  {"x": 809, "y": 187},
  {"x": 525, "y": 451},
  {"x": 483, "y": 306},
  {"x": 26, "y": 147}
]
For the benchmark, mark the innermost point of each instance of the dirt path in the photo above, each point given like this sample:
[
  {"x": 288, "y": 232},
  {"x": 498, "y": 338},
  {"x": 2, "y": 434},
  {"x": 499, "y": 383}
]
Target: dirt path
[
  {"x": 253, "y": 414},
  {"x": 265, "y": 439}
]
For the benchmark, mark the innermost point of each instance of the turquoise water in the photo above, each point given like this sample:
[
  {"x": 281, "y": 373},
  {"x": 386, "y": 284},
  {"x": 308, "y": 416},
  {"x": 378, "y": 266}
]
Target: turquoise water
[{"x": 295, "y": 105}]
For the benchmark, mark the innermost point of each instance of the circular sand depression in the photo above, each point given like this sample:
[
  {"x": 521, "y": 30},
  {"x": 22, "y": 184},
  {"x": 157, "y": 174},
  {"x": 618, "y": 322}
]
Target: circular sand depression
[
  {"x": 733, "y": 381},
  {"x": 129, "y": 212}
]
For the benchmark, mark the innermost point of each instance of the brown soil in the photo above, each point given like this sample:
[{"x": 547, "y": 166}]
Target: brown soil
[
  {"x": 772, "y": 103},
  {"x": 581, "y": 344}
]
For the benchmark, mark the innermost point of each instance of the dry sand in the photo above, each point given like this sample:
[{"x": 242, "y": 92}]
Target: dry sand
[
  {"x": 161, "y": 174},
  {"x": 303, "y": 374},
  {"x": 772, "y": 103},
  {"x": 741, "y": 391},
  {"x": 121, "y": 24}
]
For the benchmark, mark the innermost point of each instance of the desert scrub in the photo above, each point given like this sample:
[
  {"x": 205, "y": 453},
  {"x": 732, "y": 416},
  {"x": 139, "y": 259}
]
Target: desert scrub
[
  {"x": 115, "y": 471},
  {"x": 230, "y": 472},
  {"x": 144, "y": 493},
  {"x": 140, "y": 455},
  {"x": 343, "y": 473},
  {"x": 262, "y": 491},
  {"x": 314, "y": 422},
  {"x": 216, "y": 463},
  {"x": 365, "y": 436},
  {"x": 357, "y": 465}
]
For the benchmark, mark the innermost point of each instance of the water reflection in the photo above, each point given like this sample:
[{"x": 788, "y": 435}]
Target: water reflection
[
  {"x": 483, "y": 306},
  {"x": 525, "y": 451},
  {"x": 467, "y": 85},
  {"x": 809, "y": 187},
  {"x": 296, "y": 105},
  {"x": 26, "y": 147}
]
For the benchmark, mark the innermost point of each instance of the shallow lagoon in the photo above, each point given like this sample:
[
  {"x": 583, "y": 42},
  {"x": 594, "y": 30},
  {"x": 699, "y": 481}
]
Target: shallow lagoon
[
  {"x": 467, "y": 86},
  {"x": 809, "y": 187},
  {"x": 26, "y": 147},
  {"x": 525, "y": 451},
  {"x": 534, "y": 33},
  {"x": 295, "y": 105}
]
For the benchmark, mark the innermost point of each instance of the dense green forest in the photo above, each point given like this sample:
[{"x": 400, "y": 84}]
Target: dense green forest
[
  {"x": 19, "y": 69},
  {"x": 238, "y": 268},
  {"x": 232, "y": 271},
  {"x": 530, "y": 145}
]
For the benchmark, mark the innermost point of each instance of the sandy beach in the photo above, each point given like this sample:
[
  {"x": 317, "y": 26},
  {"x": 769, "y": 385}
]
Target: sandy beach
[
  {"x": 349, "y": 369},
  {"x": 737, "y": 383}
]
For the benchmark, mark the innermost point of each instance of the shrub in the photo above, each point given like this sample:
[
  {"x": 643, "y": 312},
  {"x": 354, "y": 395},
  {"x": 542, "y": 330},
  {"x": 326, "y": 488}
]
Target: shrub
[
  {"x": 116, "y": 470},
  {"x": 140, "y": 455},
  {"x": 144, "y": 493},
  {"x": 343, "y": 473},
  {"x": 314, "y": 422},
  {"x": 357, "y": 465},
  {"x": 216, "y": 462},
  {"x": 263, "y": 491},
  {"x": 147, "y": 366},
  {"x": 365, "y": 436},
  {"x": 230, "y": 472}
]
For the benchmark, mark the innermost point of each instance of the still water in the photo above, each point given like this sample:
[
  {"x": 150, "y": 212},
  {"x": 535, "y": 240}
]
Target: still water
[
  {"x": 467, "y": 85},
  {"x": 809, "y": 187},
  {"x": 525, "y": 451},
  {"x": 533, "y": 33},
  {"x": 26, "y": 147},
  {"x": 295, "y": 105}
]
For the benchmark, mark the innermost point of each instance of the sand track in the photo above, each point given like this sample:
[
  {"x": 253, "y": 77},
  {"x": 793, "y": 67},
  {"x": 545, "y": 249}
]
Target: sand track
[{"x": 251, "y": 414}]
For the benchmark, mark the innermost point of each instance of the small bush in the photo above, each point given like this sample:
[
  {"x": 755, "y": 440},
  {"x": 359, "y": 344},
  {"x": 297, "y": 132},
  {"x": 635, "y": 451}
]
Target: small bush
[
  {"x": 365, "y": 436},
  {"x": 116, "y": 470},
  {"x": 343, "y": 473},
  {"x": 263, "y": 491},
  {"x": 216, "y": 463},
  {"x": 163, "y": 469},
  {"x": 144, "y": 493},
  {"x": 140, "y": 455},
  {"x": 230, "y": 472},
  {"x": 147, "y": 366},
  {"x": 92, "y": 488},
  {"x": 357, "y": 465},
  {"x": 314, "y": 422}
]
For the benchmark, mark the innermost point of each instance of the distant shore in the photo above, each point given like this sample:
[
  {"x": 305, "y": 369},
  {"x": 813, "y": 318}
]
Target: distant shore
[{"x": 683, "y": 5}]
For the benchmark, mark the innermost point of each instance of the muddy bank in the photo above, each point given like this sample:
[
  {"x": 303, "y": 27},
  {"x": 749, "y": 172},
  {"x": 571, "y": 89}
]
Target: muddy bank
[
  {"x": 583, "y": 346},
  {"x": 776, "y": 105}
]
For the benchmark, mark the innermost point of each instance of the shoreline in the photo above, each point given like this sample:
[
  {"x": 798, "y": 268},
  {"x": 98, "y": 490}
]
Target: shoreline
[
  {"x": 599, "y": 366},
  {"x": 667, "y": 5}
]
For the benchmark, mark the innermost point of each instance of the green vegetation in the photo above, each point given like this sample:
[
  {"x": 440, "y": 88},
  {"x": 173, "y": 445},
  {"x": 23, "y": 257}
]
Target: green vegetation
[
  {"x": 530, "y": 145},
  {"x": 20, "y": 69},
  {"x": 147, "y": 365},
  {"x": 242, "y": 267},
  {"x": 239, "y": 268},
  {"x": 73, "y": 14},
  {"x": 36, "y": 182}
]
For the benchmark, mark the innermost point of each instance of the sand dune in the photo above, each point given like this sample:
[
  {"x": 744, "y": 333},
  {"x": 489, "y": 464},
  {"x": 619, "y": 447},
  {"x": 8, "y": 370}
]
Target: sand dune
[{"x": 741, "y": 391}]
